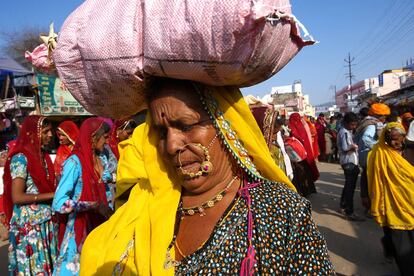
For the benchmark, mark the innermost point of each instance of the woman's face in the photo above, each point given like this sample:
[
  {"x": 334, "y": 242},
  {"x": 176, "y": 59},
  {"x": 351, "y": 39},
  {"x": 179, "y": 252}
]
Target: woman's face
[
  {"x": 180, "y": 120},
  {"x": 395, "y": 139},
  {"x": 99, "y": 142},
  {"x": 63, "y": 140},
  {"x": 46, "y": 135}
]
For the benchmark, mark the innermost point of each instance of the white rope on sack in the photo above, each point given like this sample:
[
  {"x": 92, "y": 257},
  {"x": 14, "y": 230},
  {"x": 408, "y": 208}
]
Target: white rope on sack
[{"x": 277, "y": 15}]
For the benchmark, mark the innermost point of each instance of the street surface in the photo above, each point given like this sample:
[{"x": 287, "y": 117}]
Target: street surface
[{"x": 354, "y": 247}]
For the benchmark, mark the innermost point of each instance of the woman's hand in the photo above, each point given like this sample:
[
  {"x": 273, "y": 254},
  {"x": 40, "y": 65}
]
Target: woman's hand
[
  {"x": 104, "y": 210},
  {"x": 20, "y": 197}
]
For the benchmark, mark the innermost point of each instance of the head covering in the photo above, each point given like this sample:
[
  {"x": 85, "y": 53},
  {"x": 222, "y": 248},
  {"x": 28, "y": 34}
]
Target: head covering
[
  {"x": 29, "y": 144},
  {"x": 71, "y": 131},
  {"x": 265, "y": 116},
  {"x": 390, "y": 185},
  {"x": 93, "y": 188},
  {"x": 379, "y": 109},
  {"x": 301, "y": 131},
  {"x": 405, "y": 118},
  {"x": 144, "y": 226}
]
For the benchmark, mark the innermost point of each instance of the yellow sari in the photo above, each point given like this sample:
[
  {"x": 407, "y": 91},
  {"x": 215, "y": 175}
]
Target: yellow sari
[
  {"x": 135, "y": 239},
  {"x": 390, "y": 185}
]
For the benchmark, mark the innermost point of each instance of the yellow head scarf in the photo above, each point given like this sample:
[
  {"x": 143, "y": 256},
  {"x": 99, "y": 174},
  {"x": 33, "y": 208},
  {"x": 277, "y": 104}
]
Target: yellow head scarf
[
  {"x": 135, "y": 239},
  {"x": 391, "y": 185}
]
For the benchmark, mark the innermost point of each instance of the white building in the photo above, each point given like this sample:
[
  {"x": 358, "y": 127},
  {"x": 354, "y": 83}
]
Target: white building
[{"x": 290, "y": 98}]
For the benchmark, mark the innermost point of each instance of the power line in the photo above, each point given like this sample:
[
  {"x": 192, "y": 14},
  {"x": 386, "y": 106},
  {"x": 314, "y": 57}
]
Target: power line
[
  {"x": 388, "y": 37},
  {"x": 374, "y": 32}
]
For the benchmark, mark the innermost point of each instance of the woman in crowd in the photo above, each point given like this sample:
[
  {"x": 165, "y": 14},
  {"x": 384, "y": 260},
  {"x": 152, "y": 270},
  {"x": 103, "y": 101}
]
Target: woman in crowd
[
  {"x": 330, "y": 137},
  {"x": 390, "y": 185},
  {"x": 321, "y": 129},
  {"x": 29, "y": 185},
  {"x": 82, "y": 194},
  {"x": 266, "y": 118},
  {"x": 278, "y": 150},
  {"x": 304, "y": 177},
  {"x": 210, "y": 199},
  {"x": 310, "y": 121},
  {"x": 67, "y": 132},
  {"x": 120, "y": 131}
]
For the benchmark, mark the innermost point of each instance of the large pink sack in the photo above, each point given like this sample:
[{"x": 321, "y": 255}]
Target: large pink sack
[{"x": 108, "y": 49}]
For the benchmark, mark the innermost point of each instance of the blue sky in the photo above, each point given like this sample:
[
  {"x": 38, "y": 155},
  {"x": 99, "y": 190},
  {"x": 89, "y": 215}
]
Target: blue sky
[{"x": 378, "y": 33}]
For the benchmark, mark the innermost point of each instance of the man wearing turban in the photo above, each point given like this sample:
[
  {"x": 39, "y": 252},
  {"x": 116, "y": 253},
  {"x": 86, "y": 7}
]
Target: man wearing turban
[{"x": 366, "y": 136}]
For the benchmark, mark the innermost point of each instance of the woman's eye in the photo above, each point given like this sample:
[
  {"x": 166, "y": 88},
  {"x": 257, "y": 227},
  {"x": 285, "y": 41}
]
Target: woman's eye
[
  {"x": 162, "y": 132},
  {"x": 187, "y": 127}
]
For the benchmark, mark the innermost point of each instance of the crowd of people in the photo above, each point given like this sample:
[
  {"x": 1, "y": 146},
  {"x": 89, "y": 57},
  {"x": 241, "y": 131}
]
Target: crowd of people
[
  {"x": 375, "y": 144},
  {"x": 50, "y": 207}
]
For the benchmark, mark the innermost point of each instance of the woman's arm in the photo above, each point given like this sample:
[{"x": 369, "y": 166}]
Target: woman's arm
[
  {"x": 19, "y": 174},
  {"x": 20, "y": 197},
  {"x": 63, "y": 201}
]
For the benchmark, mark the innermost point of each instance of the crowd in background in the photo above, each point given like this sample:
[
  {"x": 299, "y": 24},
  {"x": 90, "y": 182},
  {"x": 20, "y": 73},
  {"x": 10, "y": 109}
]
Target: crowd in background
[
  {"x": 375, "y": 144},
  {"x": 50, "y": 206}
]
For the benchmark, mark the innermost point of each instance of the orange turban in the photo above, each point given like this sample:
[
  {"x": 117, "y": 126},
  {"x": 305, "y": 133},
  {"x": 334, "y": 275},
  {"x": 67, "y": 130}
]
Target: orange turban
[{"x": 379, "y": 109}]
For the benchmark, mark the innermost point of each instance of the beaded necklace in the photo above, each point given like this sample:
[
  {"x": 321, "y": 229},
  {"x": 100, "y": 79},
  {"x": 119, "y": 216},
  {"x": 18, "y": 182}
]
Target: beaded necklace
[
  {"x": 189, "y": 211},
  {"x": 169, "y": 261}
]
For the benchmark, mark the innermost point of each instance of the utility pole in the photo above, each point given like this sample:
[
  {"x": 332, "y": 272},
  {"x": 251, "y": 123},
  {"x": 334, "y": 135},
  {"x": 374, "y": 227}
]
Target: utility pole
[
  {"x": 349, "y": 75},
  {"x": 334, "y": 89}
]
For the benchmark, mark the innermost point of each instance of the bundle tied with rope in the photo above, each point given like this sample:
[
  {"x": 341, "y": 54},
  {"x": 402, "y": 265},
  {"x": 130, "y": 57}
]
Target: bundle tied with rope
[{"x": 106, "y": 62}]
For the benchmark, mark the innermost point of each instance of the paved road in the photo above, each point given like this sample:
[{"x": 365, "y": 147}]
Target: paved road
[{"x": 354, "y": 247}]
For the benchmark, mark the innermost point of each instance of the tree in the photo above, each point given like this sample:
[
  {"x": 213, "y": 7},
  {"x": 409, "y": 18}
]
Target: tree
[{"x": 18, "y": 42}]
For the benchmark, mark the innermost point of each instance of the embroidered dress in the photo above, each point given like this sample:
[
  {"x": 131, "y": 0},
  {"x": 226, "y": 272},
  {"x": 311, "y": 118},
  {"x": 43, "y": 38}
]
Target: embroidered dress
[
  {"x": 285, "y": 238},
  {"x": 33, "y": 230},
  {"x": 66, "y": 201}
]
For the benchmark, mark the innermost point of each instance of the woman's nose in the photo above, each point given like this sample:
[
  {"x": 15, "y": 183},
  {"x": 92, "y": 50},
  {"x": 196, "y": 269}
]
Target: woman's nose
[{"x": 175, "y": 141}]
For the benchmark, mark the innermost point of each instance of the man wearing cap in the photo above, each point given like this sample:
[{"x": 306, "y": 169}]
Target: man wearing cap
[{"x": 366, "y": 136}]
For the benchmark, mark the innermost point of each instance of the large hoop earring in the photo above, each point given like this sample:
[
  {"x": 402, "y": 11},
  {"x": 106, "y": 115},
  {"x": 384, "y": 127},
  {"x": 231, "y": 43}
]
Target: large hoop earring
[{"x": 206, "y": 166}]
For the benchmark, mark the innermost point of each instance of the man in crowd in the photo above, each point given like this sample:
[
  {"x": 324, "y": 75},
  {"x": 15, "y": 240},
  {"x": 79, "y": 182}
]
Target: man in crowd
[
  {"x": 348, "y": 158},
  {"x": 366, "y": 136}
]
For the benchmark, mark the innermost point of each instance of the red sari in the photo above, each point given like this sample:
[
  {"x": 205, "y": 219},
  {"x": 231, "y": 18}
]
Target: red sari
[
  {"x": 314, "y": 137},
  {"x": 298, "y": 127},
  {"x": 29, "y": 143},
  {"x": 321, "y": 129},
  {"x": 93, "y": 188},
  {"x": 71, "y": 131}
]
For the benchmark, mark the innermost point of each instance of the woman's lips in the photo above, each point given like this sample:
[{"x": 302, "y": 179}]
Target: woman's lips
[{"x": 189, "y": 166}]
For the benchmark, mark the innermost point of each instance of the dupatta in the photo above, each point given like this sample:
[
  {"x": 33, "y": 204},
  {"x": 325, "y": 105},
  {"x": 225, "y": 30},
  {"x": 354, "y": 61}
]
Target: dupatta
[
  {"x": 29, "y": 144},
  {"x": 71, "y": 131}
]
